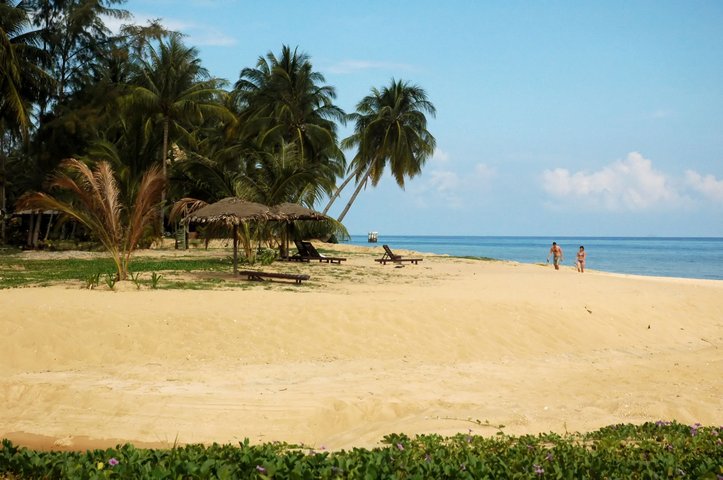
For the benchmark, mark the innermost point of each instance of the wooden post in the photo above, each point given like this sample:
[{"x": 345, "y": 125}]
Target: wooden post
[{"x": 235, "y": 249}]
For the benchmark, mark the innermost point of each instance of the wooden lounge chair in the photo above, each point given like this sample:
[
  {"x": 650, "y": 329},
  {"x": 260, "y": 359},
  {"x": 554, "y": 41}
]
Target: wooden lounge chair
[
  {"x": 301, "y": 255},
  {"x": 259, "y": 276},
  {"x": 390, "y": 256},
  {"x": 313, "y": 254}
]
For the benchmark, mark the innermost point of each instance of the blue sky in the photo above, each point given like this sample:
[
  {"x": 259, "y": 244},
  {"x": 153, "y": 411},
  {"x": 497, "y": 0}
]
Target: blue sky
[{"x": 553, "y": 118}]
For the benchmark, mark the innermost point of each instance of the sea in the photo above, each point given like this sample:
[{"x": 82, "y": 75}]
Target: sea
[{"x": 653, "y": 256}]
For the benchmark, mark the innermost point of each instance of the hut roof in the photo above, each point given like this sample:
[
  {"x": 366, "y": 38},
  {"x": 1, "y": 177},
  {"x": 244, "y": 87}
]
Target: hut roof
[{"x": 232, "y": 211}]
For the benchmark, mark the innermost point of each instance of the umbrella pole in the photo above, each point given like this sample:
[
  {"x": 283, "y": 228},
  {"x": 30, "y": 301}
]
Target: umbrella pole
[{"x": 235, "y": 249}]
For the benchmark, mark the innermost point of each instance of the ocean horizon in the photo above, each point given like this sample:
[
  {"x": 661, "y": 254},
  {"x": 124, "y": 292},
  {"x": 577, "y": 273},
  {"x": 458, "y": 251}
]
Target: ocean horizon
[{"x": 683, "y": 257}]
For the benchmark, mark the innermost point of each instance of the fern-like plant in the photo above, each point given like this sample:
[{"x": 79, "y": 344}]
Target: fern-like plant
[{"x": 98, "y": 207}]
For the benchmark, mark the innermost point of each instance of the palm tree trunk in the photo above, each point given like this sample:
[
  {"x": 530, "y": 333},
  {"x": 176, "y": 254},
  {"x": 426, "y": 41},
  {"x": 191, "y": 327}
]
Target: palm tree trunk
[
  {"x": 362, "y": 182},
  {"x": 164, "y": 154},
  {"x": 337, "y": 192},
  {"x": 235, "y": 249},
  {"x": 36, "y": 230},
  {"x": 3, "y": 206}
]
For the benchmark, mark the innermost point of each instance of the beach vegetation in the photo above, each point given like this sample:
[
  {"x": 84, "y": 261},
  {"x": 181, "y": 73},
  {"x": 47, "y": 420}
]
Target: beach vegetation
[
  {"x": 92, "y": 198},
  {"x": 390, "y": 129},
  {"x": 653, "y": 450},
  {"x": 17, "y": 271},
  {"x": 110, "y": 280},
  {"x": 92, "y": 281},
  {"x": 172, "y": 91},
  {"x": 141, "y": 98},
  {"x": 155, "y": 278}
]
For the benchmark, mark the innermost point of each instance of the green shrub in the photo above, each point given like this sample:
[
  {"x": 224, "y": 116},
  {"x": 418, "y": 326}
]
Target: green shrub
[{"x": 649, "y": 451}]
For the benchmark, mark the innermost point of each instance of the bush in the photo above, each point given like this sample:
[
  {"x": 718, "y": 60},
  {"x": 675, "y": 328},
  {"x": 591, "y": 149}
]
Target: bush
[{"x": 649, "y": 451}]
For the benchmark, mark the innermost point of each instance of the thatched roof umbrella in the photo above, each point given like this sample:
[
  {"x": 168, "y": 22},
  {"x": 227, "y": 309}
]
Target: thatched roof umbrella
[
  {"x": 293, "y": 211},
  {"x": 232, "y": 212}
]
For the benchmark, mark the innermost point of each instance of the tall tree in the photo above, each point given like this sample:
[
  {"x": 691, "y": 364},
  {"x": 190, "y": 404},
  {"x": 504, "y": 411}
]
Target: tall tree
[
  {"x": 390, "y": 129},
  {"x": 74, "y": 37},
  {"x": 284, "y": 101},
  {"x": 175, "y": 91},
  {"x": 22, "y": 80}
]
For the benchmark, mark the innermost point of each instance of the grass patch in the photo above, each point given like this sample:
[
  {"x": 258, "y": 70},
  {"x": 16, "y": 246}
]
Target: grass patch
[{"x": 22, "y": 272}]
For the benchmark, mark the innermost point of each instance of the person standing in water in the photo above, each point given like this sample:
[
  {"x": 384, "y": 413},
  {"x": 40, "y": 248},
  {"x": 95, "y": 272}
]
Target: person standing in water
[
  {"x": 581, "y": 259},
  {"x": 556, "y": 253}
]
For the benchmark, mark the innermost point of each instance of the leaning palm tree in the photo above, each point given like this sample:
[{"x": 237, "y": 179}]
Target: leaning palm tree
[
  {"x": 390, "y": 128},
  {"x": 174, "y": 90},
  {"x": 98, "y": 208}
]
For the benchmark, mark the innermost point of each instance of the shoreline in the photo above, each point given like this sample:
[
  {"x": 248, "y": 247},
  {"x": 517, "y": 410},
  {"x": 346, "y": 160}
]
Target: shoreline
[
  {"x": 672, "y": 257},
  {"x": 358, "y": 352}
]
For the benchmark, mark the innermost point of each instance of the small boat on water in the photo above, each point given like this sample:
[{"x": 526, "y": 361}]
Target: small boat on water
[{"x": 372, "y": 237}]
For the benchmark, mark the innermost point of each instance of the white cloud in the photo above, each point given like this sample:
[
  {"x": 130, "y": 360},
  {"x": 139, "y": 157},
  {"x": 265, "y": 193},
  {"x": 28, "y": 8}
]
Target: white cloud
[
  {"x": 630, "y": 184},
  {"x": 442, "y": 184},
  {"x": 707, "y": 185},
  {"x": 484, "y": 172},
  {"x": 210, "y": 37},
  {"x": 440, "y": 157},
  {"x": 197, "y": 34},
  {"x": 355, "y": 66}
]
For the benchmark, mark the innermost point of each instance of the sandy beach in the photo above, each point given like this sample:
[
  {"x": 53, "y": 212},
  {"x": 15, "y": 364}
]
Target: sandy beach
[{"x": 360, "y": 351}]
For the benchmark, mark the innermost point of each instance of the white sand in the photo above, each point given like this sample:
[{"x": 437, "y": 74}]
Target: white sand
[{"x": 360, "y": 351}]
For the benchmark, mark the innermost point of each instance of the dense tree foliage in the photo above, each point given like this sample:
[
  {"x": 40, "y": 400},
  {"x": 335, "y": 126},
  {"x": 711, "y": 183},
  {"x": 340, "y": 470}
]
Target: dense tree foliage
[{"x": 140, "y": 98}]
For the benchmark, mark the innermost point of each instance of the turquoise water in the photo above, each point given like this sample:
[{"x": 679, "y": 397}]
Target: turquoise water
[{"x": 666, "y": 257}]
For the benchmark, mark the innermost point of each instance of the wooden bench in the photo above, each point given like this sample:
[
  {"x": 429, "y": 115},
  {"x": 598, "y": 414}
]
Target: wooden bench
[{"x": 259, "y": 276}]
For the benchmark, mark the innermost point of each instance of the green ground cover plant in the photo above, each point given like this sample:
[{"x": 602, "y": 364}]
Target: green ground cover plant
[
  {"x": 661, "y": 450},
  {"x": 19, "y": 272}
]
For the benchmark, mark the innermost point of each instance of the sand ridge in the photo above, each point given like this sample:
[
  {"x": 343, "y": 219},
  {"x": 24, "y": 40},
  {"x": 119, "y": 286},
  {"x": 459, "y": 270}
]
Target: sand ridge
[{"x": 361, "y": 351}]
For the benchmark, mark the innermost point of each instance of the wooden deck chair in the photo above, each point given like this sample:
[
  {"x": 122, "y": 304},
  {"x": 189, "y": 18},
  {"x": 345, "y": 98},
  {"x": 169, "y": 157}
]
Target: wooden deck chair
[
  {"x": 390, "y": 256},
  {"x": 313, "y": 254},
  {"x": 301, "y": 255}
]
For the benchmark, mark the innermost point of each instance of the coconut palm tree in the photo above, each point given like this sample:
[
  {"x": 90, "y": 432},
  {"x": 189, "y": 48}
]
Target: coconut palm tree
[
  {"x": 283, "y": 100},
  {"x": 21, "y": 81},
  {"x": 175, "y": 90},
  {"x": 390, "y": 129},
  {"x": 98, "y": 208}
]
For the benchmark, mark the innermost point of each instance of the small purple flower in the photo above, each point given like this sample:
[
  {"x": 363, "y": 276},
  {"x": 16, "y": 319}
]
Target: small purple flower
[
  {"x": 260, "y": 469},
  {"x": 538, "y": 469},
  {"x": 548, "y": 457},
  {"x": 113, "y": 462},
  {"x": 427, "y": 458},
  {"x": 694, "y": 429},
  {"x": 400, "y": 446},
  {"x": 662, "y": 423},
  {"x": 530, "y": 447}
]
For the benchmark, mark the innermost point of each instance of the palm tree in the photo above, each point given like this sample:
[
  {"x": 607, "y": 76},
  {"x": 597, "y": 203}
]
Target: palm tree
[
  {"x": 283, "y": 100},
  {"x": 21, "y": 81},
  {"x": 99, "y": 209},
  {"x": 175, "y": 90},
  {"x": 390, "y": 128}
]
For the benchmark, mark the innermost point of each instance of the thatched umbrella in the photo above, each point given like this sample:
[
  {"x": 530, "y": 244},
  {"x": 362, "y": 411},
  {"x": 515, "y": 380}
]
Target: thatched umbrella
[
  {"x": 232, "y": 212},
  {"x": 293, "y": 211}
]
